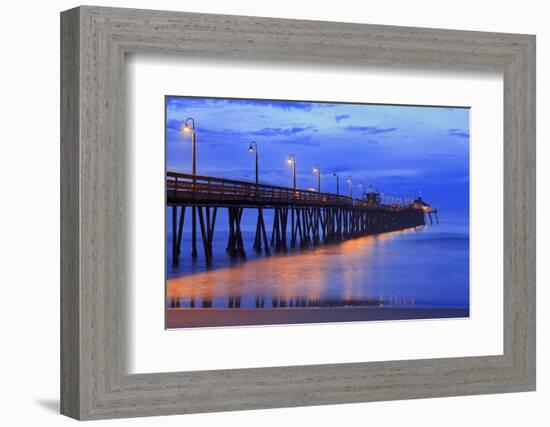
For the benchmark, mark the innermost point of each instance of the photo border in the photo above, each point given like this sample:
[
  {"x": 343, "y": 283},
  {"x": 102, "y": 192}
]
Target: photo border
[{"x": 282, "y": 323}]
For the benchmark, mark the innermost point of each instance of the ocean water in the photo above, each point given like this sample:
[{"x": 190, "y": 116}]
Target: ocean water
[{"x": 421, "y": 267}]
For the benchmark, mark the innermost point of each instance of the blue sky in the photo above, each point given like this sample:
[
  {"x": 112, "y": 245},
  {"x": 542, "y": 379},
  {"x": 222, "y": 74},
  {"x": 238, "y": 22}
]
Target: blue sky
[{"x": 397, "y": 149}]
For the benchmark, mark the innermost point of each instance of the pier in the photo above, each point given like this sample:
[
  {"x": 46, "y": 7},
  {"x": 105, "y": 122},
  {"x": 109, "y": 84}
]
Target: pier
[{"x": 301, "y": 218}]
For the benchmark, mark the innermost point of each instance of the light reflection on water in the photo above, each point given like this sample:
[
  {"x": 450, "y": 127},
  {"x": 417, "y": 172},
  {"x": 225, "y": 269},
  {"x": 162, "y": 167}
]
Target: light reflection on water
[{"x": 422, "y": 267}]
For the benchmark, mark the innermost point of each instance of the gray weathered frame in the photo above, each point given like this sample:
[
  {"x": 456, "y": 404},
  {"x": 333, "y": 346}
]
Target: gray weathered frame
[{"x": 94, "y": 42}]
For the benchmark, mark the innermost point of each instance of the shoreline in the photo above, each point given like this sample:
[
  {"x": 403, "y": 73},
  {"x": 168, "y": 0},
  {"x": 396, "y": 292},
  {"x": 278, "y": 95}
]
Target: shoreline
[{"x": 176, "y": 318}]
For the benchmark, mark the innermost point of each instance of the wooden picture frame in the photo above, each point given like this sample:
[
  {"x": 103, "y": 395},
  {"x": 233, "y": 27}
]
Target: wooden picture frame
[{"x": 94, "y": 382}]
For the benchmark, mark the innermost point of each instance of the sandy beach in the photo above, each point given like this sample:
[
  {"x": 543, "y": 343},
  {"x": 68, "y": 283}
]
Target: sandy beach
[{"x": 208, "y": 317}]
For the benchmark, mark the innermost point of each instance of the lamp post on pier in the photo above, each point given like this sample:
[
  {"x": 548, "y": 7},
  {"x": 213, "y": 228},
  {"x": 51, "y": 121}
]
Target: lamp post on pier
[
  {"x": 350, "y": 183},
  {"x": 291, "y": 160},
  {"x": 189, "y": 126},
  {"x": 253, "y": 148},
  {"x": 362, "y": 187},
  {"x": 317, "y": 171},
  {"x": 337, "y": 183},
  {"x": 372, "y": 198}
]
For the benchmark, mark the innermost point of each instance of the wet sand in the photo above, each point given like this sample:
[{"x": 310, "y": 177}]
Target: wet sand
[{"x": 208, "y": 317}]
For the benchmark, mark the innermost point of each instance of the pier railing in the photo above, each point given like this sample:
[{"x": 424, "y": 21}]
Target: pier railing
[
  {"x": 181, "y": 187},
  {"x": 200, "y": 188}
]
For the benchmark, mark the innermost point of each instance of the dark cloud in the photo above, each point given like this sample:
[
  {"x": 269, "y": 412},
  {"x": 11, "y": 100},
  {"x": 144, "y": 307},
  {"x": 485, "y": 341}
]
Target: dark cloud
[
  {"x": 306, "y": 140},
  {"x": 187, "y": 102},
  {"x": 394, "y": 178},
  {"x": 459, "y": 133},
  {"x": 338, "y": 168},
  {"x": 197, "y": 102},
  {"x": 297, "y": 135},
  {"x": 280, "y": 131},
  {"x": 282, "y": 105},
  {"x": 341, "y": 117},
  {"x": 368, "y": 130},
  {"x": 222, "y": 135},
  {"x": 174, "y": 124}
]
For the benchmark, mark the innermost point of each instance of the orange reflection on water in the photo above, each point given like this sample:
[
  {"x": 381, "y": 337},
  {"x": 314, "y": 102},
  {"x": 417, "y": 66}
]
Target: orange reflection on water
[{"x": 333, "y": 270}]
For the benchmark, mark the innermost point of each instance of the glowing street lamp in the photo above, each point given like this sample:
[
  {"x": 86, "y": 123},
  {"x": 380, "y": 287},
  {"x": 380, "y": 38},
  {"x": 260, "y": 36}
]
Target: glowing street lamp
[
  {"x": 186, "y": 129},
  {"x": 337, "y": 183},
  {"x": 350, "y": 183},
  {"x": 291, "y": 160},
  {"x": 317, "y": 171},
  {"x": 191, "y": 128},
  {"x": 362, "y": 187},
  {"x": 253, "y": 148}
]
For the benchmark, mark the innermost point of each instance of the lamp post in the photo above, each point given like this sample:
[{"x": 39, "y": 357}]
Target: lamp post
[
  {"x": 291, "y": 160},
  {"x": 337, "y": 183},
  {"x": 362, "y": 187},
  {"x": 371, "y": 197},
  {"x": 317, "y": 170},
  {"x": 350, "y": 183},
  {"x": 253, "y": 148},
  {"x": 187, "y": 128}
]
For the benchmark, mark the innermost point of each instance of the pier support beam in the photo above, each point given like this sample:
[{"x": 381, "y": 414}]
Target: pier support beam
[
  {"x": 323, "y": 223},
  {"x": 177, "y": 231},
  {"x": 194, "y": 232},
  {"x": 275, "y": 236},
  {"x": 235, "y": 246},
  {"x": 278, "y": 234},
  {"x": 174, "y": 235},
  {"x": 264, "y": 234},
  {"x": 292, "y": 229},
  {"x": 312, "y": 224},
  {"x": 261, "y": 234},
  {"x": 258, "y": 236},
  {"x": 283, "y": 217},
  {"x": 207, "y": 224}
]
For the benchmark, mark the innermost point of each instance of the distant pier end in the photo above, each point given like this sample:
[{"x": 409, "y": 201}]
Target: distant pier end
[{"x": 427, "y": 209}]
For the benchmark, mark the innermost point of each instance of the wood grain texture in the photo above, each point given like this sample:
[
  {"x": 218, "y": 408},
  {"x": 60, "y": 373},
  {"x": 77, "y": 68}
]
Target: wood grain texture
[
  {"x": 94, "y": 266},
  {"x": 70, "y": 297}
]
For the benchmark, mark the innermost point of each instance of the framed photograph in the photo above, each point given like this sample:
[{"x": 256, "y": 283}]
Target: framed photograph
[
  {"x": 296, "y": 246},
  {"x": 263, "y": 213}
]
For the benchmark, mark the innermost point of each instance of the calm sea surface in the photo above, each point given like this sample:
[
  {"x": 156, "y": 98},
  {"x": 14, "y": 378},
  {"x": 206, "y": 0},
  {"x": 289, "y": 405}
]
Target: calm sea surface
[{"x": 421, "y": 267}]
